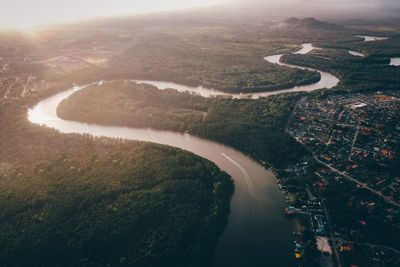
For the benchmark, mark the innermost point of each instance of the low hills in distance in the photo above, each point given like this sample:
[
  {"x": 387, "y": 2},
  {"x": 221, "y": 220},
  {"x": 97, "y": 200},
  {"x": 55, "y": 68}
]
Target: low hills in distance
[{"x": 309, "y": 24}]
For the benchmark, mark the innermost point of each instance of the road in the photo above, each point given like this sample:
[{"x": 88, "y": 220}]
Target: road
[
  {"x": 257, "y": 233},
  {"x": 334, "y": 248},
  {"x": 339, "y": 264},
  {"x": 23, "y": 94},
  {"x": 354, "y": 142},
  {"x": 363, "y": 185}
]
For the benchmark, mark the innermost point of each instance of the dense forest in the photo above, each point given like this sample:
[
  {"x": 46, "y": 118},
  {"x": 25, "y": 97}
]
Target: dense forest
[
  {"x": 215, "y": 60},
  {"x": 138, "y": 105},
  {"x": 76, "y": 200},
  {"x": 256, "y": 127},
  {"x": 384, "y": 48},
  {"x": 357, "y": 74},
  {"x": 144, "y": 205}
]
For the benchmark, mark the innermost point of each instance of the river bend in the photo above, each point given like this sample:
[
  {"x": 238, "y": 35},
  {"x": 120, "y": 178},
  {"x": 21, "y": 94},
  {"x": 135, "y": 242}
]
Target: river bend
[{"x": 257, "y": 234}]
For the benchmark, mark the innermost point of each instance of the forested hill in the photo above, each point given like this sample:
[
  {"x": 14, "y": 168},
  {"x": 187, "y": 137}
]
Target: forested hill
[
  {"x": 256, "y": 127},
  {"x": 309, "y": 24},
  {"x": 144, "y": 205}
]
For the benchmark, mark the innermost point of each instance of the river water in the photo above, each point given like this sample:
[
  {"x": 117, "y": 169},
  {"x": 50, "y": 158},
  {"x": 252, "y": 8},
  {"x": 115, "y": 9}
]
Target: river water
[
  {"x": 327, "y": 81},
  {"x": 372, "y": 38},
  {"x": 357, "y": 54},
  {"x": 395, "y": 61},
  {"x": 257, "y": 234}
]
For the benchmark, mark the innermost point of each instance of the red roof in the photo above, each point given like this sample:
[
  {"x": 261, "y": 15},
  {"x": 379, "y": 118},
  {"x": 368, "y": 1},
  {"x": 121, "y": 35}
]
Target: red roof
[{"x": 327, "y": 171}]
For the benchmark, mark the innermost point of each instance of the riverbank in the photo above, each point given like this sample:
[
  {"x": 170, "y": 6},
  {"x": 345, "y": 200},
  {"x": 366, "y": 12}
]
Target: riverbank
[
  {"x": 49, "y": 178},
  {"x": 256, "y": 206},
  {"x": 233, "y": 66},
  {"x": 220, "y": 108}
]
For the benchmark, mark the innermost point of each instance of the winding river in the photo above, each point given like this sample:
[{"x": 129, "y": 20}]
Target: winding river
[
  {"x": 327, "y": 81},
  {"x": 257, "y": 234},
  {"x": 395, "y": 61}
]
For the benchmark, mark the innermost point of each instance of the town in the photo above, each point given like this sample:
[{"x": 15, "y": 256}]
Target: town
[
  {"x": 345, "y": 194},
  {"x": 286, "y": 154}
]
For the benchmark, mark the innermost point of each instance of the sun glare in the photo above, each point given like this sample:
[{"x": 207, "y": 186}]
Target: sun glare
[{"x": 25, "y": 15}]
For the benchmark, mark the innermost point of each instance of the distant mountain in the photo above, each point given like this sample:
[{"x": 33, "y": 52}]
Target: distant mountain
[{"x": 309, "y": 23}]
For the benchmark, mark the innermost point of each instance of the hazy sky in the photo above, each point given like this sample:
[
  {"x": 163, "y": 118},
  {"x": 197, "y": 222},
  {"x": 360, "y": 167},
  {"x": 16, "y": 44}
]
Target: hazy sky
[
  {"x": 28, "y": 13},
  {"x": 328, "y": 3}
]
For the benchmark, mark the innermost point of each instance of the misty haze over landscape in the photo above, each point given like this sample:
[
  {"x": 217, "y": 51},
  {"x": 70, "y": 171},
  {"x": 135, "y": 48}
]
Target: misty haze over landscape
[
  {"x": 27, "y": 14},
  {"x": 190, "y": 133}
]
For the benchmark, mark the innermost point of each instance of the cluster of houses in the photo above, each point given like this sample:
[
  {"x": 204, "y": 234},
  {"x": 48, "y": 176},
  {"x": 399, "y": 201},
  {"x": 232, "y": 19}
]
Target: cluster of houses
[
  {"x": 17, "y": 80},
  {"x": 358, "y": 134},
  {"x": 307, "y": 209},
  {"x": 354, "y": 135}
]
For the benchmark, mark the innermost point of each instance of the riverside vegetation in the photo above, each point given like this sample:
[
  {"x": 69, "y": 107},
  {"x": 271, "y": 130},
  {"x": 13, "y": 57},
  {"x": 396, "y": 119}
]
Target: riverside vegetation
[
  {"x": 226, "y": 64},
  {"x": 72, "y": 200},
  {"x": 88, "y": 187},
  {"x": 255, "y": 127},
  {"x": 59, "y": 192}
]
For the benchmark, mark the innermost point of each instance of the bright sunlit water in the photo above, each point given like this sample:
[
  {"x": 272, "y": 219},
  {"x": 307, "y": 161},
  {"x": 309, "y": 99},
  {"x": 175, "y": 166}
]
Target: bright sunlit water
[
  {"x": 257, "y": 234},
  {"x": 355, "y": 53},
  {"x": 395, "y": 61}
]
